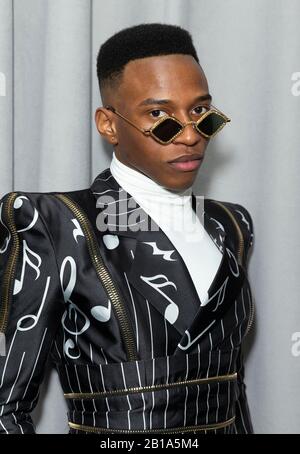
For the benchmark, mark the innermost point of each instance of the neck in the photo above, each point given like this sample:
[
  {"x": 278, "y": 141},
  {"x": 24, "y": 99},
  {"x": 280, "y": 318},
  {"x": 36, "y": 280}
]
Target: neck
[{"x": 137, "y": 183}]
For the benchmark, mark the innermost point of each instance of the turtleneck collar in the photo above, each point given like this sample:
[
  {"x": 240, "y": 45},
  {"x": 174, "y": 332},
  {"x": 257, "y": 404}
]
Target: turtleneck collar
[{"x": 135, "y": 182}]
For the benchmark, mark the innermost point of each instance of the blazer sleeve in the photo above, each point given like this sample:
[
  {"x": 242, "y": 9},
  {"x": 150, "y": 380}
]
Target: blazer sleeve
[
  {"x": 243, "y": 421},
  {"x": 30, "y": 309}
]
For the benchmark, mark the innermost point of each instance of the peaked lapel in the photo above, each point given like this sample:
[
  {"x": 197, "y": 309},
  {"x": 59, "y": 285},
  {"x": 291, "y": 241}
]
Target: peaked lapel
[{"x": 157, "y": 270}]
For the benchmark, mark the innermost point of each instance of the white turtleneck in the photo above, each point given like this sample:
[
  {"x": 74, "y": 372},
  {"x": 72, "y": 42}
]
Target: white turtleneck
[{"x": 173, "y": 213}]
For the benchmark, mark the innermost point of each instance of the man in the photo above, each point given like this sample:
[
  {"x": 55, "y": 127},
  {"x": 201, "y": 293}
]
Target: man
[{"x": 143, "y": 320}]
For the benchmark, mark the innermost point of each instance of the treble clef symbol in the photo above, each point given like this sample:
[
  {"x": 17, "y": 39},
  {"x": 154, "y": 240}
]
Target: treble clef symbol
[{"x": 72, "y": 308}]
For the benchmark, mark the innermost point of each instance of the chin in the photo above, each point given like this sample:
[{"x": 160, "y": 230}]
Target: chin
[{"x": 180, "y": 187}]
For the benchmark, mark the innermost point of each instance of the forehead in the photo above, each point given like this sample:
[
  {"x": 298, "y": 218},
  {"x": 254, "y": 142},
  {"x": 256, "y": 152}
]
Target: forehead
[{"x": 164, "y": 76}]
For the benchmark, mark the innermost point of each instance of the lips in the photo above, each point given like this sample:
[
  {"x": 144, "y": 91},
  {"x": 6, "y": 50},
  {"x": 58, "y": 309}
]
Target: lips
[
  {"x": 187, "y": 162},
  {"x": 187, "y": 157}
]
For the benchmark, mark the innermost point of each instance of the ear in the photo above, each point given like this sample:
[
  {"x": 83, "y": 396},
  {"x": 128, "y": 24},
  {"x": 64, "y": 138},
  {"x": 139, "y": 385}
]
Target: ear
[{"x": 105, "y": 125}]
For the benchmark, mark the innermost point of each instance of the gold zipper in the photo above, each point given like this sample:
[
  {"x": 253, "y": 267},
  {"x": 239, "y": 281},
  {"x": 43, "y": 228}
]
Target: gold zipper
[
  {"x": 104, "y": 276},
  {"x": 149, "y": 388},
  {"x": 239, "y": 232},
  {"x": 171, "y": 430},
  {"x": 241, "y": 250},
  {"x": 11, "y": 263},
  {"x": 251, "y": 317}
]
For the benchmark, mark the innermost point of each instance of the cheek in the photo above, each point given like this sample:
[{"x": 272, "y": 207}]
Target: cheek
[
  {"x": 138, "y": 147},
  {"x": 128, "y": 135}
]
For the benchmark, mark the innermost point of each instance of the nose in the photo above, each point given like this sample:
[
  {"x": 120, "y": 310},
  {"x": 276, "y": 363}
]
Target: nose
[{"x": 189, "y": 135}]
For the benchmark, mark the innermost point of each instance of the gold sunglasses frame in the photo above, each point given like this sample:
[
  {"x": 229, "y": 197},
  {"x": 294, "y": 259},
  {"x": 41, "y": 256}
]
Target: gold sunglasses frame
[{"x": 149, "y": 132}]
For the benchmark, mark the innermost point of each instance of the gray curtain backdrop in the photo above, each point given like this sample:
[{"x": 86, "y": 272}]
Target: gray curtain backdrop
[{"x": 250, "y": 52}]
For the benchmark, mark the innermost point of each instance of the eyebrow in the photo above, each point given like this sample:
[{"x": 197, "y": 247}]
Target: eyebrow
[{"x": 151, "y": 101}]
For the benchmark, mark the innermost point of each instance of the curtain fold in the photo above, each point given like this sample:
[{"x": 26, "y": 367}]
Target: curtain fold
[{"x": 6, "y": 96}]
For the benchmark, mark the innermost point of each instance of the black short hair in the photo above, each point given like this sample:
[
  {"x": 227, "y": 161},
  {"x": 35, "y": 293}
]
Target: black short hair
[{"x": 140, "y": 41}]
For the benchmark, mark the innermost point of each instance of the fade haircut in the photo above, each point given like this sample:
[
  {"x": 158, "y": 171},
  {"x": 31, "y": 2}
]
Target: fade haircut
[{"x": 140, "y": 41}]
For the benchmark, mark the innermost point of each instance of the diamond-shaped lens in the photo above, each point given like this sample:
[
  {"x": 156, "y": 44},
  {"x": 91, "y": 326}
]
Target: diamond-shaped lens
[
  {"x": 166, "y": 129},
  {"x": 211, "y": 123}
]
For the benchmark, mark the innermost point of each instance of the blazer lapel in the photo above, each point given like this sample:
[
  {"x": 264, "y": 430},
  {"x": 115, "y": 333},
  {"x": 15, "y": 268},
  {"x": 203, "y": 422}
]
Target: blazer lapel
[
  {"x": 226, "y": 284},
  {"x": 157, "y": 271}
]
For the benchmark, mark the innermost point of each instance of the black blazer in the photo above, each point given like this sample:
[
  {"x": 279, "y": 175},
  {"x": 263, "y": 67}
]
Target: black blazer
[{"x": 118, "y": 314}]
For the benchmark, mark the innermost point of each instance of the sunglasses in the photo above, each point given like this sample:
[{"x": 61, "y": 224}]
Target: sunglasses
[{"x": 167, "y": 128}]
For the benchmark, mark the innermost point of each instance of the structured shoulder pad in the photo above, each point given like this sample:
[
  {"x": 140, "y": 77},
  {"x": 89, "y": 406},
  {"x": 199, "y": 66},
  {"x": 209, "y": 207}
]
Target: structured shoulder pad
[{"x": 235, "y": 215}]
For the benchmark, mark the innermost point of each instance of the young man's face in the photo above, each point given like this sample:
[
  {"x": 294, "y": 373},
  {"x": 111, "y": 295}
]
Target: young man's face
[{"x": 177, "y": 78}]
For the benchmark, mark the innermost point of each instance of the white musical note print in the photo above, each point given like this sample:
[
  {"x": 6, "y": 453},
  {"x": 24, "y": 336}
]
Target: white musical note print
[
  {"x": 156, "y": 251},
  {"x": 244, "y": 219},
  {"x": 67, "y": 292},
  {"x": 111, "y": 241},
  {"x": 221, "y": 294},
  {"x": 72, "y": 307},
  {"x": 251, "y": 239},
  {"x": 219, "y": 225},
  {"x": 172, "y": 310},
  {"x": 34, "y": 318},
  {"x": 190, "y": 341},
  {"x": 232, "y": 258},
  {"x": 69, "y": 345},
  {"x": 73, "y": 316},
  {"x": 102, "y": 313},
  {"x": 26, "y": 260},
  {"x": 18, "y": 203},
  {"x": 77, "y": 231}
]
